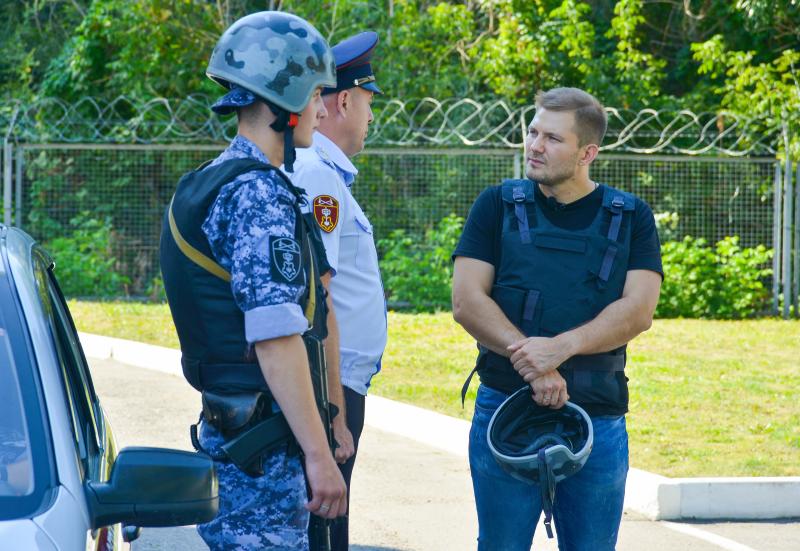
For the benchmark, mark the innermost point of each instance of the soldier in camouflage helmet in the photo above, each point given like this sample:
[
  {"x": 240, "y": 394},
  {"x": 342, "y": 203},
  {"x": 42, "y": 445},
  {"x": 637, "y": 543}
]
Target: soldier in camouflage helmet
[
  {"x": 276, "y": 57},
  {"x": 242, "y": 280}
]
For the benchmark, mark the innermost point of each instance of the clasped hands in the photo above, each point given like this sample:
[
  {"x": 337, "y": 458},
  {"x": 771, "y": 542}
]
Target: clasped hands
[{"x": 536, "y": 360}]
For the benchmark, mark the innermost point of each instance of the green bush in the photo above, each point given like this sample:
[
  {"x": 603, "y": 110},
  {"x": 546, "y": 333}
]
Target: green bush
[
  {"x": 417, "y": 273},
  {"x": 721, "y": 282},
  {"x": 85, "y": 265}
]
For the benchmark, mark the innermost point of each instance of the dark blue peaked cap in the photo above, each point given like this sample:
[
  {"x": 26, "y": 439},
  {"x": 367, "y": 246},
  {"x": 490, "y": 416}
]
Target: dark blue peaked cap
[{"x": 352, "y": 57}]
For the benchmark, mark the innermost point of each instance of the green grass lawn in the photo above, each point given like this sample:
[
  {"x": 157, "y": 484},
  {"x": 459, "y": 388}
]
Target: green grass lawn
[{"x": 708, "y": 398}]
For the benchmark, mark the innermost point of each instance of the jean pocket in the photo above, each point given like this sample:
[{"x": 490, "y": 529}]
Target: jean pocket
[{"x": 489, "y": 399}]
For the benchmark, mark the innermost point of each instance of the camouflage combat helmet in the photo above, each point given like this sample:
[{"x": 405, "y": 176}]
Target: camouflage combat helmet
[
  {"x": 539, "y": 445},
  {"x": 277, "y": 56}
]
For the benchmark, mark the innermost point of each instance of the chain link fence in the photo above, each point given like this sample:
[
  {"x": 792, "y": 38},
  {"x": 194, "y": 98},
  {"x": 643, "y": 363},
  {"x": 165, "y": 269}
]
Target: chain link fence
[{"x": 107, "y": 171}]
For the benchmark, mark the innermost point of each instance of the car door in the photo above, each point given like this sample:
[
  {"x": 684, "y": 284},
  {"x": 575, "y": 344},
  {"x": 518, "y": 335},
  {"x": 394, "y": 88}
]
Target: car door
[{"x": 94, "y": 444}]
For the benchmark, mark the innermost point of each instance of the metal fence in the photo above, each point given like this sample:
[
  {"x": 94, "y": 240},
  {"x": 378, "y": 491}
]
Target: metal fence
[{"x": 425, "y": 159}]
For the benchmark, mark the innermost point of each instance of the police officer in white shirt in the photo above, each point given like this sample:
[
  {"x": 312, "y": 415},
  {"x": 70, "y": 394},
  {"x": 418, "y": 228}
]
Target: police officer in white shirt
[{"x": 326, "y": 173}]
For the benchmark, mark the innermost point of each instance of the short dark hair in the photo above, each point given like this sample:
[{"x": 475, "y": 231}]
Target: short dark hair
[
  {"x": 590, "y": 115},
  {"x": 251, "y": 113}
]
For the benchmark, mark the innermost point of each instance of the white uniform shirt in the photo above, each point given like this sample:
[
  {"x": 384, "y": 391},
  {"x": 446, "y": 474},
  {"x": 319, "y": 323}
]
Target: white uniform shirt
[{"x": 325, "y": 173}]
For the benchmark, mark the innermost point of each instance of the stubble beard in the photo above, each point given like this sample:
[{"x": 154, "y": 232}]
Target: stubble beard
[{"x": 551, "y": 180}]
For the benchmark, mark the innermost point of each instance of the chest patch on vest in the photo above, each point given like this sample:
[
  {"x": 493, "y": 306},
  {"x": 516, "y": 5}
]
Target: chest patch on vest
[
  {"x": 285, "y": 259},
  {"x": 326, "y": 212}
]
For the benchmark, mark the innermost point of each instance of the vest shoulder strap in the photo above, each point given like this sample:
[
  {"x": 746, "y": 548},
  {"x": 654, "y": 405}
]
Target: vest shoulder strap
[
  {"x": 615, "y": 199},
  {"x": 617, "y": 203},
  {"x": 205, "y": 262},
  {"x": 518, "y": 191},
  {"x": 518, "y": 194}
]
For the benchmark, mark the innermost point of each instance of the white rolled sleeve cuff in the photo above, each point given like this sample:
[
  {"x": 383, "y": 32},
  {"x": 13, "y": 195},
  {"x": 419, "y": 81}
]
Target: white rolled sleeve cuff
[{"x": 275, "y": 321}]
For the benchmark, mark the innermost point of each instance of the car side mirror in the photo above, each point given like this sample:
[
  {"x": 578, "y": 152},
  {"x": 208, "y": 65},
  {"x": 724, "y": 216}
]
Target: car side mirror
[{"x": 155, "y": 487}]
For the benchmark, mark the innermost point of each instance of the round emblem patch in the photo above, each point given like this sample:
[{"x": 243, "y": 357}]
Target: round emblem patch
[{"x": 326, "y": 212}]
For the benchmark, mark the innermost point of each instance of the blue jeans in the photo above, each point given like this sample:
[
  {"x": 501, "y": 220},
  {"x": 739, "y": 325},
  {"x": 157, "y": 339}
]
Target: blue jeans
[{"x": 588, "y": 506}]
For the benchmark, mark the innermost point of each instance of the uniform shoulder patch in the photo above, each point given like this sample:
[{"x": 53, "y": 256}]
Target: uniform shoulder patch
[
  {"x": 326, "y": 212},
  {"x": 284, "y": 259}
]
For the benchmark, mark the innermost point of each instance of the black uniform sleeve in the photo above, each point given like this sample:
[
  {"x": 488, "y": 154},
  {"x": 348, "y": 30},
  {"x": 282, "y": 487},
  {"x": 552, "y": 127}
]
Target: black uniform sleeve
[
  {"x": 481, "y": 236},
  {"x": 645, "y": 245}
]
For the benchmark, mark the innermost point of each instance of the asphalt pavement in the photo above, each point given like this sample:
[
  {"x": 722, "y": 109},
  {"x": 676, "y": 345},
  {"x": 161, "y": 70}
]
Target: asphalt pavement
[{"x": 406, "y": 496}]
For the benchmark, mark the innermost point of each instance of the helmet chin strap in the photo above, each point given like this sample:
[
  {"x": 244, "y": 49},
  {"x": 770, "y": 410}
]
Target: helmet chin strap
[
  {"x": 285, "y": 122},
  {"x": 547, "y": 486}
]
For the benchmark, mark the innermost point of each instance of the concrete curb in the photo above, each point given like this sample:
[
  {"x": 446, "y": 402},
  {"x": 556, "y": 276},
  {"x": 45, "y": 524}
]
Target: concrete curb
[{"x": 653, "y": 496}]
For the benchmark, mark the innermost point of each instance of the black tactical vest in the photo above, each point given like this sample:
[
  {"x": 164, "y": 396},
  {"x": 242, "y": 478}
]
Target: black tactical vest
[
  {"x": 551, "y": 280},
  {"x": 210, "y": 326}
]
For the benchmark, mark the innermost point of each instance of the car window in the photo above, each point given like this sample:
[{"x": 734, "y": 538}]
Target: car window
[
  {"x": 16, "y": 467},
  {"x": 78, "y": 386}
]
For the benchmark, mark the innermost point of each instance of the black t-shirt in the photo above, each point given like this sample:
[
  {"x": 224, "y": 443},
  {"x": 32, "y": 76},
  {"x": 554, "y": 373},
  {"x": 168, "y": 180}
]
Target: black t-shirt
[{"x": 481, "y": 238}]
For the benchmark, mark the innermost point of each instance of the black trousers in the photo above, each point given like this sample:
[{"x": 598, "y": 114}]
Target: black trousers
[{"x": 354, "y": 403}]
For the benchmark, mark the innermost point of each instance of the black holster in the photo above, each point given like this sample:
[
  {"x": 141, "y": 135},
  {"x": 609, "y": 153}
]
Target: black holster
[
  {"x": 250, "y": 428},
  {"x": 233, "y": 413}
]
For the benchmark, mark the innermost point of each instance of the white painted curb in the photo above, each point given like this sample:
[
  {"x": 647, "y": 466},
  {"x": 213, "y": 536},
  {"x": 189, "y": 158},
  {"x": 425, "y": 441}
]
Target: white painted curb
[
  {"x": 654, "y": 496},
  {"x": 434, "y": 429},
  {"x": 148, "y": 356}
]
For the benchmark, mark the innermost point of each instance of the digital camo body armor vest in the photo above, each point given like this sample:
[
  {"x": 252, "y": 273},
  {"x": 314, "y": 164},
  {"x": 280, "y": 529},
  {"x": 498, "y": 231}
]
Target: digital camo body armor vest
[{"x": 551, "y": 280}]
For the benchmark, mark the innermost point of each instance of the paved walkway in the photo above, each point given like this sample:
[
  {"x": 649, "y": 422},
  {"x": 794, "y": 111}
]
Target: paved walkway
[{"x": 406, "y": 496}]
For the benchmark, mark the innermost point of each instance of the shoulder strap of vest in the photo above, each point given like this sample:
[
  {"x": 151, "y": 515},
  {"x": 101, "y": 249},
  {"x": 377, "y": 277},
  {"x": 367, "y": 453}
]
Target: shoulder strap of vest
[
  {"x": 518, "y": 193},
  {"x": 193, "y": 254},
  {"x": 617, "y": 203}
]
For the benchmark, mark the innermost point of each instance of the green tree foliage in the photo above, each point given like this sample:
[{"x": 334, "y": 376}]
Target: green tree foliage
[
  {"x": 142, "y": 49},
  {"x": 766, "y": 89},
  {"x": 31, "y": 35},
  {"x": 698, "y": 54}
]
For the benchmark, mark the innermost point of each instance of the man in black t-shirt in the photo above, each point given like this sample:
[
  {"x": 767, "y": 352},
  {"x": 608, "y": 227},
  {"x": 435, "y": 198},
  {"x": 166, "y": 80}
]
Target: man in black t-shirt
[{"x": 553, "y": 276}]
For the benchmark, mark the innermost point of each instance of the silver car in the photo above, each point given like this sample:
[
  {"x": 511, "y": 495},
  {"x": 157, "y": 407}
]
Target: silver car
[{"x": 63, "y": 483}]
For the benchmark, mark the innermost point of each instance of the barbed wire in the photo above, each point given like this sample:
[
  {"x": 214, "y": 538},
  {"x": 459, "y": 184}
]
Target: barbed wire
[{"x": 454, "y": 122}]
